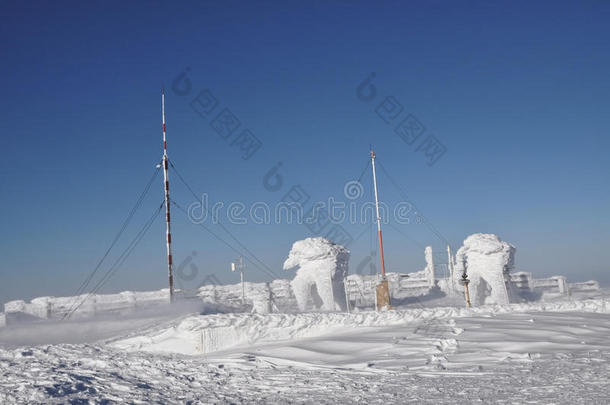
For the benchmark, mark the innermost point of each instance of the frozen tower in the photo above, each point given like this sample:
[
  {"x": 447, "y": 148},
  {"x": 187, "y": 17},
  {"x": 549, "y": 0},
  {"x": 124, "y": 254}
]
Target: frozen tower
[
  {"x": 322, "y": 266},
  {"x": 488, "y": 261}
]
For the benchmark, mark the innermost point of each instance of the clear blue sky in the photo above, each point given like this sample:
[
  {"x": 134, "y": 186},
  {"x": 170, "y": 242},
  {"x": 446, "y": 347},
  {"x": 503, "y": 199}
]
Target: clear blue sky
[{"x": 516, "y": 91}]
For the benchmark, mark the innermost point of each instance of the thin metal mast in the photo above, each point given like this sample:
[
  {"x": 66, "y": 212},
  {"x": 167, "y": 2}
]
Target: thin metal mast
[
  {"x": 241, "y": 276},
  {"x": 167, "y": 215},
  {"x": 240, "y": 265},
  {"x": 451, "y": 267},
  {"x": 378, "y": 216}
]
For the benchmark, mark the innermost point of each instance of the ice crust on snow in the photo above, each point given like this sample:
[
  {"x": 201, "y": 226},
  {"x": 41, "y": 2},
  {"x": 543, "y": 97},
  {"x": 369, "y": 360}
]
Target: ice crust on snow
[
  {"x": 322, "y": 266},
  {"x": 488, "y": 261}
]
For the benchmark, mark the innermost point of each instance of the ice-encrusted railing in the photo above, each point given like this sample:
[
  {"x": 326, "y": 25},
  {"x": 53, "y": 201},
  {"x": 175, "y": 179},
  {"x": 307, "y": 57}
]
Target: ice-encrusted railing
[
  {"x": 57, "y": 307},
  {"x": 555, "y": 284},
  {"x": 590, "y": 285},
  {"x": 275, "y": 296},
  {"x": 360, "y": 289},
  {"x": 552, "y": 284}
]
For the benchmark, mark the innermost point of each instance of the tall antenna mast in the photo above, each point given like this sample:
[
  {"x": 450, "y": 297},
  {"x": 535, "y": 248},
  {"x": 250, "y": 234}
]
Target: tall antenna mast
[
  {"x": 383, "y": 291},
  {"x": 378, "y": 216},
  {"x": 167, "y": 216}
]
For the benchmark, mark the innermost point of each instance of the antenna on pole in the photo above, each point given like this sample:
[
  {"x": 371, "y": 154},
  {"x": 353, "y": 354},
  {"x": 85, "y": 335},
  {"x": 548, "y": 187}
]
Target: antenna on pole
[
  {"x": 464, "y": 281},
  {"x": 167, "y": 215},
  {"x": 382, "y": 291}
]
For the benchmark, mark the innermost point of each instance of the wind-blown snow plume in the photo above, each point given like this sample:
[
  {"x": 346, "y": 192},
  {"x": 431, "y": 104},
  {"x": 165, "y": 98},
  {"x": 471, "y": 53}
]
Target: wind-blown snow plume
[{"x": 322, "y": 267}]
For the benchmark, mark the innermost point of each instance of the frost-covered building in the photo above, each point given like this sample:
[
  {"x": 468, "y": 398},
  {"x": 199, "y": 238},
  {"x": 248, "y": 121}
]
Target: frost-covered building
[
  {"x": 488, "y": 262},
  {"x": 321, "y": 268}
]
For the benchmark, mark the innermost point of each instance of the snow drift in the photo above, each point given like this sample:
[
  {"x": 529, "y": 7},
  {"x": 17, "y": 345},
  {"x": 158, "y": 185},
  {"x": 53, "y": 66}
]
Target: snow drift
[{"x": 203, "y": 334}]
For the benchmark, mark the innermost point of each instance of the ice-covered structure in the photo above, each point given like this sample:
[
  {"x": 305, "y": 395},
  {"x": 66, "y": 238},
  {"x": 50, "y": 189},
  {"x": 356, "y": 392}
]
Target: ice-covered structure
[
  {"x": 488, "y": 261},
  {"x": 90, "y": 305},
  {"x": 261, "y": 298},
  {"x": 360, "y": 288},
  {"x": 319, "y": 285},
  {"x": 429, "y": 269},
  {"x": 322, "y": 266}
]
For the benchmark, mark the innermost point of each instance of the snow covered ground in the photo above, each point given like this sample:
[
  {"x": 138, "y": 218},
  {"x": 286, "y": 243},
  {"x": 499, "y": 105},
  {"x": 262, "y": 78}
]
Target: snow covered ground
[{"x": 552, "y": 352}]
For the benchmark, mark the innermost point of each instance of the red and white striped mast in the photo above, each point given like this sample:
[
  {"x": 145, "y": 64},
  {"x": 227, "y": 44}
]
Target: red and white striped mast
[
  {"x": 382, "y": 292},
  {"x": 167, "y": 216},
  {"x": 378, "y": 216}
]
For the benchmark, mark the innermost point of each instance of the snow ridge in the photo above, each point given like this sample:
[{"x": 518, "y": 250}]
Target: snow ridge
[{"x": 210, "y": 333}]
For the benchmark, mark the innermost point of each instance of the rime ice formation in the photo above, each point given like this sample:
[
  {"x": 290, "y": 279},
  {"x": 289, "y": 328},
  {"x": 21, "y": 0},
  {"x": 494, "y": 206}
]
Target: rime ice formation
[
  {"x": 429, "y": 270},
  {"x": 322, "y": 266},
  {"x": 319, "y": 280},
  {"x": 488, "y": 261},
  {"x": 261, "y": 298}
]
